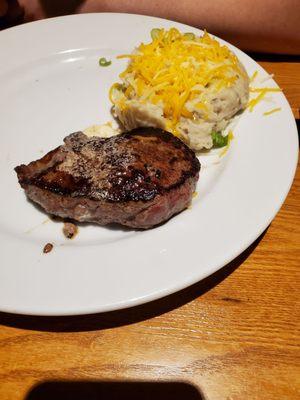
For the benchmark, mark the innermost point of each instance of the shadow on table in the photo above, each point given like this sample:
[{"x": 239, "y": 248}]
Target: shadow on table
[
  {"x": 130, "y": 315},
  {"x": 113, "y": 390},
  {"x": 277, "y": 58}
]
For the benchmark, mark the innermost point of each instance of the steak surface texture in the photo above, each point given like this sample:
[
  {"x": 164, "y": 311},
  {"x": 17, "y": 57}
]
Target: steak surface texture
[{"x": 138, "y": 179}]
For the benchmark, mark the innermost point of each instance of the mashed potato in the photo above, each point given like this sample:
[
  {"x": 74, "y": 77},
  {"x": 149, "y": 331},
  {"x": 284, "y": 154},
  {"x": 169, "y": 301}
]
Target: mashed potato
[{"x": 191, "y": 86}]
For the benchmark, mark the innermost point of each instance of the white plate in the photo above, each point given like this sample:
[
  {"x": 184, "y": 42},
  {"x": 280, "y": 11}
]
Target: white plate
[{"x": 51, "y": 85}]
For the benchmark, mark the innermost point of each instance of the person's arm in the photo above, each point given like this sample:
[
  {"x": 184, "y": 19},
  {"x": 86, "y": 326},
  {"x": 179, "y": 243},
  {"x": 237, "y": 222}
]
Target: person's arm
[{"x": 262, "y": 25}]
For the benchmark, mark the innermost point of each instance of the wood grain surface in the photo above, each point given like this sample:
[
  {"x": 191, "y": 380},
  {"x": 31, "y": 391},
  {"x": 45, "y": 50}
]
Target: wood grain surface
[{"x": 233, "y": 336}]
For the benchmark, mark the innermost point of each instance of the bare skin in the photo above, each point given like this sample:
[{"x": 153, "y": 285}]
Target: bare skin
[{"x": 264, "y": 26}]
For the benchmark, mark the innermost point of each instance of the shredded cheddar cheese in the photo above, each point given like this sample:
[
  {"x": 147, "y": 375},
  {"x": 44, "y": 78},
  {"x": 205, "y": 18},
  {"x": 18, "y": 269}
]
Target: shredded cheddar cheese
[
  {"x": 262, "y": 93},
  {"x": 175, "y": 68},
  {"x": 265, "y": 89},
  {"x": 253, "y": 76},
  {"x": 226, "y": 148},
  {"x": 272, "y": 111}
]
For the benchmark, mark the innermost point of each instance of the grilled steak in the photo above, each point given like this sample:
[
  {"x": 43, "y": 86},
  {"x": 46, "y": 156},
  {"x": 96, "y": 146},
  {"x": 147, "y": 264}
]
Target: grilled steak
[{"x": 138, "y": 179}]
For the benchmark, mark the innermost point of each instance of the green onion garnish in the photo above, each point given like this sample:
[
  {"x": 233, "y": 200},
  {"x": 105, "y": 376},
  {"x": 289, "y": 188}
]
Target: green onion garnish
[
  {"x": 218, "y": 139},
  {"x": 155, "y": 33},
  {"x": 103, "y": 62},
  {"x": 189, "y": 36}
]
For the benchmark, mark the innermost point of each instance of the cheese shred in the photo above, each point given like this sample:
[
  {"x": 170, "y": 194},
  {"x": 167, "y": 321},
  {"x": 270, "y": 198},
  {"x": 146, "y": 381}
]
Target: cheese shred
[
  {"x": 272, "y": 111},
  {"x": 226, "y": 148},
  {"x": 262, "y": 93},
  {"x": 253, "y": 76}
]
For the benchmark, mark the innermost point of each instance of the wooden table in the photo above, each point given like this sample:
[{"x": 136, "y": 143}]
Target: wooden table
[{"x": 233, "y": 336}]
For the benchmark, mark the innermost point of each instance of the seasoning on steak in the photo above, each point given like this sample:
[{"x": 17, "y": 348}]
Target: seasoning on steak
[{"x": 138, "y": 179}]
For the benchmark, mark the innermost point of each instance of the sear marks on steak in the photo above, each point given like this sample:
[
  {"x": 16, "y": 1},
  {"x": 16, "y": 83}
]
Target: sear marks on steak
[{"x": 138, "y": 179}]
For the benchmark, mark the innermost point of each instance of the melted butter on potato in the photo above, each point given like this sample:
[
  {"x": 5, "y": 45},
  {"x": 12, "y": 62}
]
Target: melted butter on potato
[{"x": 103, "y": 131}]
